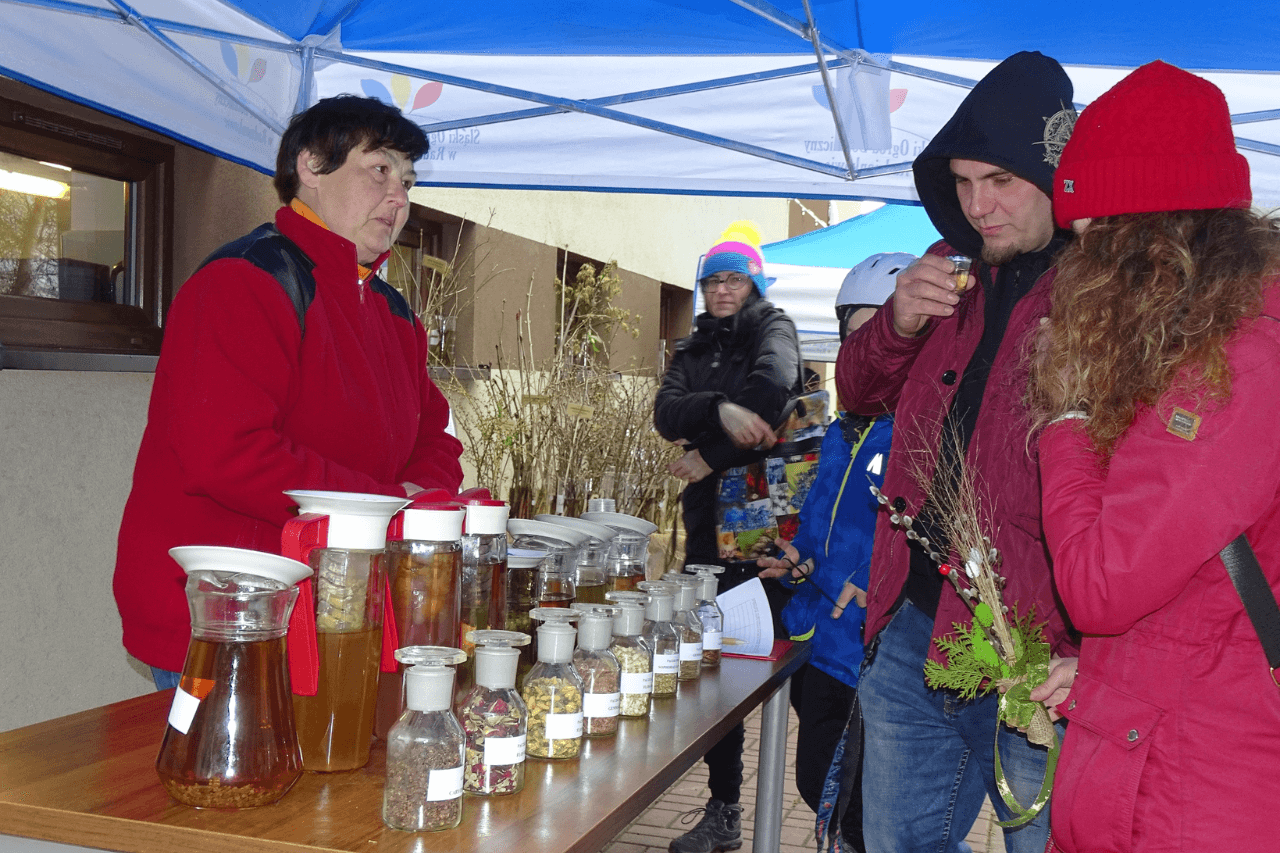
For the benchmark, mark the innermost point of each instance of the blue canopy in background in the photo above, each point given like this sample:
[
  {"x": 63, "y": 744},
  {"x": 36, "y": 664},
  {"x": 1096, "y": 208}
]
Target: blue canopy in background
[
  {"x": 892, "y": 228},
  {"x": 736, "y": 97}
]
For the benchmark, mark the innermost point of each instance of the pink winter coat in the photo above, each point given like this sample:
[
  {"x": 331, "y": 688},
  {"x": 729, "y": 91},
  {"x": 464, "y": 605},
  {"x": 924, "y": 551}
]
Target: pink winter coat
[{"x": 1174, "y": 741}]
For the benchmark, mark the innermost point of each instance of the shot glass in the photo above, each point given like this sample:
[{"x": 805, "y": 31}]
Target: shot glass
[{"x": 963, "y": 265}]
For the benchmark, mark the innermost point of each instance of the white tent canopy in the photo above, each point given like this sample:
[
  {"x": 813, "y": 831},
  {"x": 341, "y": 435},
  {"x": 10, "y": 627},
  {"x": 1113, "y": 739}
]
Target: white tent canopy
[{"x": 705, "y": 96}]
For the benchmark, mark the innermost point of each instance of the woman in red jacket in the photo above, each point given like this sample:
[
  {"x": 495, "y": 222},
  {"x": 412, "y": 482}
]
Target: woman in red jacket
[
  {"x": 1159, "y": 378},
  {"x": 287, "y": 363}
]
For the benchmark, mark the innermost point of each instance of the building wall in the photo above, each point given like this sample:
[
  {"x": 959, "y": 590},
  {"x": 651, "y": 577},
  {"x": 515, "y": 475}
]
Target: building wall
[
  {"x": 659, "y": 236},
  {"x": 67, "y": 445}
]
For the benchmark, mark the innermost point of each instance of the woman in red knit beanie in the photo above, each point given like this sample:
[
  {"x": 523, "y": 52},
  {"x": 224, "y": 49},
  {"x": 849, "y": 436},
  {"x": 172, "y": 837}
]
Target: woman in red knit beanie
[{"x": 1157, "y": 376}]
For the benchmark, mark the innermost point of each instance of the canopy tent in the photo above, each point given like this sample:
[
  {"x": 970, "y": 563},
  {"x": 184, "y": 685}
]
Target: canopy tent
[
  {"x": 702, "y": 96},
  {"x": 805, "y": 272}
]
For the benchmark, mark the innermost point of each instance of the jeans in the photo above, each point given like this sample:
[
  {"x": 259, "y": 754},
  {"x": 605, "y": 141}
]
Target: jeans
[
  {"x": 164, "y": 678},
  {"x": 928, "y": 756}
]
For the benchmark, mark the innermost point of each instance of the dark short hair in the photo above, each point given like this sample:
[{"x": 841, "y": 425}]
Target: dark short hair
[{"x": 334, "y": 127}]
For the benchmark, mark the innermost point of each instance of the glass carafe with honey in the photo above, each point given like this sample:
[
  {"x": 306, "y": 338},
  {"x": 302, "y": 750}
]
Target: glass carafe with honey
[
  {"x": 343, "y": 635},
  {"x": 230, "y": 742},
  {"x": 424, "y": 552},
  {"x": 591, "y": 571}
]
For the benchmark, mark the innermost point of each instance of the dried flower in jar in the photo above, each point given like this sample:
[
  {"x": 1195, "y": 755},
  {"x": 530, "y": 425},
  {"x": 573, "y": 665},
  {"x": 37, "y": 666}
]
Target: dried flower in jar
[
  {"x": 637, "y": 680},
  {"x": 555, "y": 717},
  {"x": 494, "y": 760}
]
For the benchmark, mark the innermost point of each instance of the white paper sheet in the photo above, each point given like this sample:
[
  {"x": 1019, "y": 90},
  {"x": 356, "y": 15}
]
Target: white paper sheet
[{"x": 747, "y": 619}]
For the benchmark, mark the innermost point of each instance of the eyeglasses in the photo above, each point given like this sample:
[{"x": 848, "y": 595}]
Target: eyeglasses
[{"x": 733, "y": 281}]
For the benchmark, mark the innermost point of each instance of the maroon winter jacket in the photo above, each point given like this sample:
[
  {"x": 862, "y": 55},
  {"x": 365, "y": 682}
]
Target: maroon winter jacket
[
  {"x": 245, "y": 405},
  {"x": 916, "y": 378},
  {"x": 1174, "y": 742}
]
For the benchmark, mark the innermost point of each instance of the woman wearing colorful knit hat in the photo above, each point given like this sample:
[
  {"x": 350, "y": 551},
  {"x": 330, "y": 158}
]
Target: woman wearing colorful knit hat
[
  {"x": 1157, "y": 376},
  {"x": 726, "y": 389}
]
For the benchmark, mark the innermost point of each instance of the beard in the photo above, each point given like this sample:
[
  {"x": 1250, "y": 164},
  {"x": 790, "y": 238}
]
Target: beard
[{"x": 998, "y": 256}]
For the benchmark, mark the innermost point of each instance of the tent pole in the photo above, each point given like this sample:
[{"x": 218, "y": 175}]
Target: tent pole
[
  {"x": 816, "y": 41},
  {"x": 132, "y": 17}
]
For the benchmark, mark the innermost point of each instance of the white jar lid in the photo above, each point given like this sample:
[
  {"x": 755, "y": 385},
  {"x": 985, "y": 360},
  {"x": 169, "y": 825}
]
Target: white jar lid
[
  {"x": 488, "y": 518},
  {"x": 438, "y": 522},
  {"x": 356, "y": 521}
]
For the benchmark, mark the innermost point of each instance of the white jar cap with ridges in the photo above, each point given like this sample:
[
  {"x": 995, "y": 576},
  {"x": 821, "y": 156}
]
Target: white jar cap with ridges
[
  {"x": 486, "y": 518},
  {"x": 438, "y": 522},
  {"x": 356, "y": 521}
]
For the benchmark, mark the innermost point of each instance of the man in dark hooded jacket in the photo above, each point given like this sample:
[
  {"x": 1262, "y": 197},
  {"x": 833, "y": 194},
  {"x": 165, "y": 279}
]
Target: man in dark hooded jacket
[{"x": 950, "y": 365}]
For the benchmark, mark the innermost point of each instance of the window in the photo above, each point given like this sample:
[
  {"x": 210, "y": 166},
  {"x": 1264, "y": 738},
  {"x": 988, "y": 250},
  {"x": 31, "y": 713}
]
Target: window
[{"x": 85, "y": 236}]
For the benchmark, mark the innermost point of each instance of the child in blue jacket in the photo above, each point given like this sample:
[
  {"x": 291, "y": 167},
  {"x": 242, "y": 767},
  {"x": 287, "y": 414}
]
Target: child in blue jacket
[{"x": 830, "y": 558}]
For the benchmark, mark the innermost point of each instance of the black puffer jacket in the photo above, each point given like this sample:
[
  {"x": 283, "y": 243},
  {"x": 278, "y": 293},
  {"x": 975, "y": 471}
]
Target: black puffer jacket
[{"x": 751, "y": 358}]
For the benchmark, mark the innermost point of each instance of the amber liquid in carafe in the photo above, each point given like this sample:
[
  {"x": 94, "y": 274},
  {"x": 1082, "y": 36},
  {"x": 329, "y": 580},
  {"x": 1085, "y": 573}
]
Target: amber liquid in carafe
[
  {"x": 335, "y": 726},
  {"x": 240, "y": 750}
]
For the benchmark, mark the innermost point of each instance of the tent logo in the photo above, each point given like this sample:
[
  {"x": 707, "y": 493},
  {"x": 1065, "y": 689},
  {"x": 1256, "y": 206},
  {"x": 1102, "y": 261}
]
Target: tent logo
[
  {"x": 400, "y": 93},
  {"x": 243, "y": 65}
]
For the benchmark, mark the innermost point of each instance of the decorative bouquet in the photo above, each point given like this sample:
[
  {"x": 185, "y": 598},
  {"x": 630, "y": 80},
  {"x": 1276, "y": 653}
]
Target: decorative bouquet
[{"x": 999, "y": 650}]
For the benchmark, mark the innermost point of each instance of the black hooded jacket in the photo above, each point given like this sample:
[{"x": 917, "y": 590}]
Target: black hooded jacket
[
  {"x": 751, "y": 358},
  {"x": 1018, "y": 118}
]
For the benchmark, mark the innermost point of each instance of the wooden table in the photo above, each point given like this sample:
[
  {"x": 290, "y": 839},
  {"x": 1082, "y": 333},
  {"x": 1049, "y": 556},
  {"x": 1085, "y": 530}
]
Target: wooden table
[{"x": 89, "y": 779}]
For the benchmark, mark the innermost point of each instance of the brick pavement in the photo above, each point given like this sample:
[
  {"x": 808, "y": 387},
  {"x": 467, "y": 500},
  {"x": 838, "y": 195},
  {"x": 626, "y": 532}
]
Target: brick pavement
[{"x": 661, "y": 822}]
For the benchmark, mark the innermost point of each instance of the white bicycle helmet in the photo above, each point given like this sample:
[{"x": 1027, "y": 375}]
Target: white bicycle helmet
[{"x": 870, "y": 284}]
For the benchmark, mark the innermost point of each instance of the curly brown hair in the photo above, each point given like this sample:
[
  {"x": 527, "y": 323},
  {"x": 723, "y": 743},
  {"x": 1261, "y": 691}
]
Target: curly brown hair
[{"x": 1143, "y": 304}]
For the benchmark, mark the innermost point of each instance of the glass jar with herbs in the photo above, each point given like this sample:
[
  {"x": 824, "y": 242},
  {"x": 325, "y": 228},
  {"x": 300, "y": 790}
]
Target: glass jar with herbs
[
  {"x": 599, "y": 669},
  {"x": 662, "y": 636},
  {"x": 494, "y": 716},
  {"x": 553, "y": 689},
  {"x": 425, "y": 749}
]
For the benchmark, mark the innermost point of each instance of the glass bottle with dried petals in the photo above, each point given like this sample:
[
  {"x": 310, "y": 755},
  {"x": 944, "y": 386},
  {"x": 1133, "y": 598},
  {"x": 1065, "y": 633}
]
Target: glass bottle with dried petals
[
  {"x": 634, "y": 658},
  {"x": 709, "y": 613},
  {"x": 600, "y": 671},
  {"x": 553, "y": 688},
  {"x": 686, "y": 619},
  {"x": 662, "y": 636},
  {"x": 425, "y": 749},
  {"x": 494, "y": 716}
]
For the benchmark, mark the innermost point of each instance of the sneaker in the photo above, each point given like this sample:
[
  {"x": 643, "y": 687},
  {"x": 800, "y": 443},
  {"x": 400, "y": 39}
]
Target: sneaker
[{"x": 719, "y": 830}]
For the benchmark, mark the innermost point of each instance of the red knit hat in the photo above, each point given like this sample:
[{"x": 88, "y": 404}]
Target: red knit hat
[{"x": 1158, "y": 140}]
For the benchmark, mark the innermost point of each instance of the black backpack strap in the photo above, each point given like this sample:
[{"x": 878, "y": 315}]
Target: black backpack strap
[
  {"x": 1259, "y": 601},
  {"x": 395, "y": 299},
  {"x": 278, "y": 256}
]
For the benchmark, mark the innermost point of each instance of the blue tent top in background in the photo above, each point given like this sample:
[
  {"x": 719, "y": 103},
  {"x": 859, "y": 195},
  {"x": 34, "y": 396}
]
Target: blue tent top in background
[{"x": 892, "y": 228}]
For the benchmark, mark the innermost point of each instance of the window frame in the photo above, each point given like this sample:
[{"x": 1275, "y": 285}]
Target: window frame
[{"x": 37, "y": 332}]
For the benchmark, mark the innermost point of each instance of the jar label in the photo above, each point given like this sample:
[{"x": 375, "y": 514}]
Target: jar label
[
  {"x": 500, "y": 751},
  {"x": 444, "y": 784},
  {"x": 691, "y": 651},
  {"x": 637, "y": 682},
  {"x": 601, "y": 704},
  {"x": 183, "y": 710},
  {"x": 711, "y": 640},
  {"x": 666, "y": 663},
  {"x": 564, "y": 726}
]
